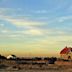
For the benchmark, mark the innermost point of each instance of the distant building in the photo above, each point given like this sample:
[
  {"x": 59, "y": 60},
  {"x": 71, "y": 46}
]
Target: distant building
[
  {"x": 66, "y": 53},
  {"x": 11, "y": 57}
]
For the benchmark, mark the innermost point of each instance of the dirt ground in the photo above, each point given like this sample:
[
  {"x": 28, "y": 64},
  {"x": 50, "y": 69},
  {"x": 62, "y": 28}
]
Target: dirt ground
[{"x": 59, "y": 66}]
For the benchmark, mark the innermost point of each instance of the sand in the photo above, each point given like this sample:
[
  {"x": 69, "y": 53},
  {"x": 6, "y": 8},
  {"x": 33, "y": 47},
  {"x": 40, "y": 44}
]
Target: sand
[{"x": 59, "y": 66}]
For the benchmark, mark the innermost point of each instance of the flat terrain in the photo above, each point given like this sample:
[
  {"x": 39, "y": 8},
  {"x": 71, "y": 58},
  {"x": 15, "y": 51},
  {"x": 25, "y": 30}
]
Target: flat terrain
[{"x": 59, "y": 66}]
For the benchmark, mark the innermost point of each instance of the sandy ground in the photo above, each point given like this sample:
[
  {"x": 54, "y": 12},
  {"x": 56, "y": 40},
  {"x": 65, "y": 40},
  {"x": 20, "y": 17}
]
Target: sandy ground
[
  {"x": 33, "y": 70},
  {"x": 59, "y": 66},
  {"x": 42, "y": 69}
]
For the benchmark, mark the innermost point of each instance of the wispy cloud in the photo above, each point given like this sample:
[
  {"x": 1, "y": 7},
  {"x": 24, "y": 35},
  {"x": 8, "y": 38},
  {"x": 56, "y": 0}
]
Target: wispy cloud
[
  {"x": 62, "y": 19},
  {"x": 40, "y": 11},
  {"x": 34, "y": 32},
  {"x": 24, "y": 22},
  {"x": 5, "y": 31},
  {"x": 1, "y": 25}
]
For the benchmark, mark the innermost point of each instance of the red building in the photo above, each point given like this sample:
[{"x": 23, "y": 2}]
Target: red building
[{"x": 66, "y": 53}]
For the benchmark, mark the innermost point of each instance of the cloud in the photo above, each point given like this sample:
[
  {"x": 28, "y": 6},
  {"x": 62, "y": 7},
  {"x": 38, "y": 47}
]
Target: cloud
[
  {"x": 41, "y": 11},
  {"x": 62, "y": 19},
  {"x": 53, "y": 41},
  {"x": 20, "y": 33},
  {"x": 21, "y": 22},
  {"x": 18, "y": 22},
  {"x": 1, "y": 25},
  {"x": 31, "y": 27},
  {"x": 33, "y": 32},
  {"x": 27, "y": 26},
  {"x": 13, "y": 36},
  {"x": 13, "y": 12},
  {"x": 5, "y": 31},
  {"x": 14, "y": 17}
]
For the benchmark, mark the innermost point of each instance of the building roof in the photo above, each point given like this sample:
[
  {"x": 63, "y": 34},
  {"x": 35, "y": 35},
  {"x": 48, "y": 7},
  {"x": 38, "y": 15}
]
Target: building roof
[
  {"x": 66, "y": 50},
  {"x": 11, "y": 56}
]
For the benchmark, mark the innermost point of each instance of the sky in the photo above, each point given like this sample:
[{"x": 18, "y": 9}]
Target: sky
[{"x": 35, "y": 27}]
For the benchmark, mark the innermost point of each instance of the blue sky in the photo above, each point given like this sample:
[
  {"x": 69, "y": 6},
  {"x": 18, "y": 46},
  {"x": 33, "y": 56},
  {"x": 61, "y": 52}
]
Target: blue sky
[{"x": 35, "y": 27}]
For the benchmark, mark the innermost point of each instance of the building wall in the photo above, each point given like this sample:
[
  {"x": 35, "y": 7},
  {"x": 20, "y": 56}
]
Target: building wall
[{"x": 66, "y": 56}]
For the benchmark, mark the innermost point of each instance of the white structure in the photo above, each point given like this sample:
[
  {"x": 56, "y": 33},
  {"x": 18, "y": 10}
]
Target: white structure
[{"x": 11, "y": 57}]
